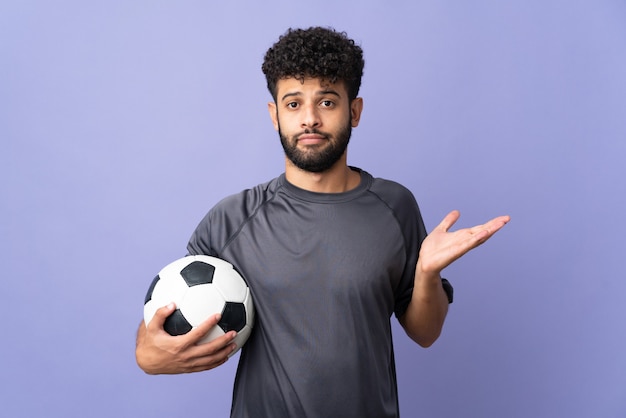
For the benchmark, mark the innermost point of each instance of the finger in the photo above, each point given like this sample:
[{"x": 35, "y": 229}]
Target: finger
[
  {"x": 492, "y": 226},
  {"x": 161, "y": 315},
  {"x": 218, "y": 348},
  {"x": 211, "y": 359},
  {"x": 505, "y": 219},
  {"x": 481, "y": 233},
  {"x": 197, "y": 333},
  {"x": 497, "y": 223},
  {"x": 223, "y": 343},
  {"x": 449, "y": 220}
]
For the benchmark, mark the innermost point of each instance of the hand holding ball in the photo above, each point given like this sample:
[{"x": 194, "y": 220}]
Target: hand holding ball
[{"x": 202, "y": 286}]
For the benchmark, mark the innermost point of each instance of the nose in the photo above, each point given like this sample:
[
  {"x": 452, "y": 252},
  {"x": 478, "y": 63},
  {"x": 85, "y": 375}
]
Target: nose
[{"x": 310, "y": 117}]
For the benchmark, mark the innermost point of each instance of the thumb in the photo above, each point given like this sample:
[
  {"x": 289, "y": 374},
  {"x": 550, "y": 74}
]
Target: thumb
[
  {"x": 161, "y": 315},
  {"x": 449, "y": 220}
]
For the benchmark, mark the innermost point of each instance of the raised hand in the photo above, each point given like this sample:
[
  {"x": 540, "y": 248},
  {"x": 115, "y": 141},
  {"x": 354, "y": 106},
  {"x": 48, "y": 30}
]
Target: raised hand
[
  {"x": 442, "y": 247},
  {"x": 426, "y": 313}
]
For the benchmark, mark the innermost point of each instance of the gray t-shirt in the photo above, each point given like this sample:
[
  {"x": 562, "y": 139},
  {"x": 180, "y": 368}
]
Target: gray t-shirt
[{"x": 326, "y": 272}]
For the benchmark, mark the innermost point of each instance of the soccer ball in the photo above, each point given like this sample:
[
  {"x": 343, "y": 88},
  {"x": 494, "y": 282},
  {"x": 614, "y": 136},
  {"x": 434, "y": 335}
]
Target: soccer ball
[{"x": 202, "y": 286}]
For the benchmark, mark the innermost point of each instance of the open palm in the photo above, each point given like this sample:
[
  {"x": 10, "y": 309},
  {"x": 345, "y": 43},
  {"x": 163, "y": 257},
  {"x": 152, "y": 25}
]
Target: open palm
[{"x": 442, "y": 247}]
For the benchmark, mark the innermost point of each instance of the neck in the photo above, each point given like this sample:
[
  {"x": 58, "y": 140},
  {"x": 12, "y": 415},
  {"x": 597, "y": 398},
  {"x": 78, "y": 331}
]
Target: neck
[{"x": 337, "y": 179}]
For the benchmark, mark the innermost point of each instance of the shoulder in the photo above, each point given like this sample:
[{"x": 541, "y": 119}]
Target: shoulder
[
  {"x": 401, "y": 202},
  {"x": 249, "y": 200},
  {"x": 227, "y": 217},
  {"x": 392, "y": 193}
]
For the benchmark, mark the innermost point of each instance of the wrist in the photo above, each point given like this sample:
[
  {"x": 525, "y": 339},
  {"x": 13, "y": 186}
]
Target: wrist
[
  {"x": 431, "y": 281},
  {"x": 424, "y": 275}
]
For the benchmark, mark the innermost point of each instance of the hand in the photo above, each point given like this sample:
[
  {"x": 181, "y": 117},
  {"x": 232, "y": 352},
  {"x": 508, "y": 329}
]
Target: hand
[
  {"x": 157, "y": 352},
  {"x": 441, "y": 247}
]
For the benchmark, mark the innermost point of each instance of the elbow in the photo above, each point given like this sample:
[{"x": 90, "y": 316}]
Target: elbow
[
  {"x": 426, "y": 344},
  {"x": 425, "y": 341},
  {"x": 423, "y": 333},
  {"x": 423, "y": 336}
]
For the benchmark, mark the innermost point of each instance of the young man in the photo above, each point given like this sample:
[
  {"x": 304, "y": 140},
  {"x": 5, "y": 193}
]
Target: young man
[{"x": 329, "y": 252}]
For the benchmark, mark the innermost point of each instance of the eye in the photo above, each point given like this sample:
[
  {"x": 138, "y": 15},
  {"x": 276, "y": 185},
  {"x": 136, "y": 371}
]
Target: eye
[
  {"x": 292, "y": 105},
  {"x": 327, "y": 103}
]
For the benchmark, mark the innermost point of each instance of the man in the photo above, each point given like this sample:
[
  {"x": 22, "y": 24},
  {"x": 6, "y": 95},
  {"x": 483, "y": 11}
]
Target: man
[{"x": 329, "y": 252}]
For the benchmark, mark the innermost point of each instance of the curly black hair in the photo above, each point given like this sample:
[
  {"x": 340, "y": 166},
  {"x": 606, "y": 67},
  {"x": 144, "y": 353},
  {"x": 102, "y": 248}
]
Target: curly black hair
[{"x": 315, "y": 52}]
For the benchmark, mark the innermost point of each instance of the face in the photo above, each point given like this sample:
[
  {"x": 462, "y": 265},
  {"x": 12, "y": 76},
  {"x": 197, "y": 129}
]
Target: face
[{"x": 314, "y": 120}]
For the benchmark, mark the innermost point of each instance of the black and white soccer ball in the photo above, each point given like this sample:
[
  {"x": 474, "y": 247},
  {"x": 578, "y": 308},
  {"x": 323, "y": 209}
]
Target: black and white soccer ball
[{"x": 202, "y": 286}]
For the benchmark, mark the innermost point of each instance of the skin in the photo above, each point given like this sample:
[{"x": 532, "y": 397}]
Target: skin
[
  {"x": 427, "y": 311},
  {"x": 157, "y": 352},
  {"x": 315, "y": 105},
  {"x": 301, "y": 108}
]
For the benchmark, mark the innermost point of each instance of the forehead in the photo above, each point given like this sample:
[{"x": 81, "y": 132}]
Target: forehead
[{"x": 308, "y": 85}]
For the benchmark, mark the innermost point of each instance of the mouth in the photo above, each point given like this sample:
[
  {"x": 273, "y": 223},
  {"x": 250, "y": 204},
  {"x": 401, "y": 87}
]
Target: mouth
[{"x": 311, "y": 138}]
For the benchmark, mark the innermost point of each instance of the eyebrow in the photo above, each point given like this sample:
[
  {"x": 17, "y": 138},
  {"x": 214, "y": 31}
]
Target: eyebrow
[{"x": 318, "y": 93}]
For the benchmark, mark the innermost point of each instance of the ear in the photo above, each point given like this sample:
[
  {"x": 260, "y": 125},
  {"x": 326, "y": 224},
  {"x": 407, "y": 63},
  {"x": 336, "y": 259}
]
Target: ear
[
  {"x": 271, "y": 107},
  {"x": 356, "y": 107}
]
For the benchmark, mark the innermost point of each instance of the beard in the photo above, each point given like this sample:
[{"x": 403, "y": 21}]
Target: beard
[{"x": 316, "y": 159}]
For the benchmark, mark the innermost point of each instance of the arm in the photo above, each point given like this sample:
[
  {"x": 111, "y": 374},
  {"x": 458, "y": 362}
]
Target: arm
[
  {"x": 157, "y": 352},
  {"x": 425, "y": 315}
]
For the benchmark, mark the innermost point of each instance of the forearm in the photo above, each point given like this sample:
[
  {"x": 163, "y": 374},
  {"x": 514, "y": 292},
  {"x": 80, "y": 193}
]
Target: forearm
[
  {"x": 426, "y": 313},
  {"x": 143, "y": 356}
]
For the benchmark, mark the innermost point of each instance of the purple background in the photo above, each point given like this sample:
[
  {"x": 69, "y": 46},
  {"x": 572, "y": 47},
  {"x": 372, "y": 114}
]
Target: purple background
[{"x": 122, "y": 122}]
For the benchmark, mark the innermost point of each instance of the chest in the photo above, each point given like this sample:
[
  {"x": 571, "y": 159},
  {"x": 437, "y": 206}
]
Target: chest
[{"x": 339, "y": 254}]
